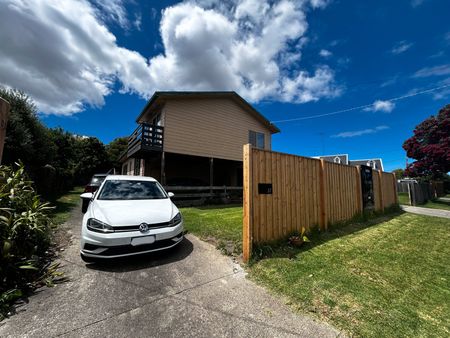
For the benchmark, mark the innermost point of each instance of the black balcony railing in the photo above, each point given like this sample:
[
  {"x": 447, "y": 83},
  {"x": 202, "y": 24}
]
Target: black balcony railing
[{"x": 146, "y": 138}]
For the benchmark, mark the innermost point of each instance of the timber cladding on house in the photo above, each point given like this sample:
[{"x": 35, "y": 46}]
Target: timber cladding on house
[
  {"x": 195, "y": 138},
  {"x": 209, "y": 124}
]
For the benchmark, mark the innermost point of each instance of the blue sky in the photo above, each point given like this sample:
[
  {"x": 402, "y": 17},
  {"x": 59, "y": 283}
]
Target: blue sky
[{"x": 97, "y": 62}]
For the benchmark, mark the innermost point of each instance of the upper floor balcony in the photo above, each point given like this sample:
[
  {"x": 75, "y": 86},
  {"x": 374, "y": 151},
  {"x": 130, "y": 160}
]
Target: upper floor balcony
[{"x": 146, "y": 138}]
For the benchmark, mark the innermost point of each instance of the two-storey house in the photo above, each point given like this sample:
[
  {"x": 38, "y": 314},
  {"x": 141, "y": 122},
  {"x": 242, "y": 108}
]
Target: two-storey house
[{"x": 195, "y": 138}]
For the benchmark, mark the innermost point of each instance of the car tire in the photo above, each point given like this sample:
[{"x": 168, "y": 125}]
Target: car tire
[{"x": 87, "y": 259}]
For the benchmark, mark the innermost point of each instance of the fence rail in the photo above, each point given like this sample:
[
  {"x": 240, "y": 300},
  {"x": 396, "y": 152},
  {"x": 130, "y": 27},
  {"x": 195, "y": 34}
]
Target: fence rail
[
  {"x": 284, "y": 193},
  {"x": 199, "y": 195}
]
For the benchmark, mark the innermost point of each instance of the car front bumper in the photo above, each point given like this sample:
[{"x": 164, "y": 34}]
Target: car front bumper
[{"x": 118, "y": 244}]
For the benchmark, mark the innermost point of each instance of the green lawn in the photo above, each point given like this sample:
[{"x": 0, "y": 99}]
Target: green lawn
[
  {"x": 388, "y": 277},
  {"x": 403, "y": 198},
  {"x": 64, "y": 204},
  {"x": 391, "y": 279},
  {"x": 221, "y": 225},
  {"x": 436, "y": 204}
]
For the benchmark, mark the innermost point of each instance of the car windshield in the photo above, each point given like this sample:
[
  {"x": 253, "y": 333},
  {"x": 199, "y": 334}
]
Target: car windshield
[{"x": 131, "y": 190}]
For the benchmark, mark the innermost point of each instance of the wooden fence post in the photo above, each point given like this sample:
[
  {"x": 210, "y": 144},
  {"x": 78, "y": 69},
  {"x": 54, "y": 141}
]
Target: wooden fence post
[
  {"x": 395, "y": 188},
  {"x": 247, "y": 226},
  {"x": 323, "y": 205},
  {"x": 359, "y": 201},
  {"x": 380, "y": 185}
]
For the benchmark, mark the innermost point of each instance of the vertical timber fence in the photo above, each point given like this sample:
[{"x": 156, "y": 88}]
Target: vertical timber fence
[{"x": 284, "y": 193}]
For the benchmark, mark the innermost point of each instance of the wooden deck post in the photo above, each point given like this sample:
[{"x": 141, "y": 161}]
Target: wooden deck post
[
  {"x": 247, "y": 224},
  {"x": 323, "y": 205},
  {"x": 163, "y": 168}
]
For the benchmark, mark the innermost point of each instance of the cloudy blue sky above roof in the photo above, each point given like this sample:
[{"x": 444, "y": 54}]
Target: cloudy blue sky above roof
[{"x": 90, "y": 65}]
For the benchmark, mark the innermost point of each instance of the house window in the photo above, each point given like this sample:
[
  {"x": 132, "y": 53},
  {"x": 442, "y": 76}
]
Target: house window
[
  {"x": 256, "y": 139},
  {"x": 137, "y": 166},
  {"x": 337, "y": 159}
]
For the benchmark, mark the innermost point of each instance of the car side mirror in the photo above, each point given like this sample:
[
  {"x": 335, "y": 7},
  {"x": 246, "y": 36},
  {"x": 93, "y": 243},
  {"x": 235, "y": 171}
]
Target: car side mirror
[
  {"x": 86, "y": 199},
  {"x": 170, "y": 194},
  {"x": 87, "y": 196}
]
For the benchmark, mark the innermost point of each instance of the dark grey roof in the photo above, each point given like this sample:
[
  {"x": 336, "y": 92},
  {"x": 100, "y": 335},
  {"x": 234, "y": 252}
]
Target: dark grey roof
[
  {"x": 338, "y": 158},
  {"x": 375, "y": 163}
]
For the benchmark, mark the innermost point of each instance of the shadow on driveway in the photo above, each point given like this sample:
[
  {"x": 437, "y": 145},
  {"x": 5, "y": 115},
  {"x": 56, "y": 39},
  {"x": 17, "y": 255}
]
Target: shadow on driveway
[{"x": 145, "y": 261}]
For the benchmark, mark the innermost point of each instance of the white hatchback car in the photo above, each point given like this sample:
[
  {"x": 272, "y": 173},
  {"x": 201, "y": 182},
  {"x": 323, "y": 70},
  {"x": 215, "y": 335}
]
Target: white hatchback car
[{"x": 129, "y": 215}]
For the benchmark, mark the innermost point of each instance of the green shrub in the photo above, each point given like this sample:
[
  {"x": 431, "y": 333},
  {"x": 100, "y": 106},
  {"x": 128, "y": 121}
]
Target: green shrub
[{"x": 24, "y": 234}]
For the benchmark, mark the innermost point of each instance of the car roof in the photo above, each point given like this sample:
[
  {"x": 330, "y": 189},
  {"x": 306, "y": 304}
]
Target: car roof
[{"x": 129, "y": 178}]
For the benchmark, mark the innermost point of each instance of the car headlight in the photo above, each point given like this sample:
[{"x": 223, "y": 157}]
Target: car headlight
[
  {"x": 176, "y": 220},
  {"x": 98, "y": 226}
]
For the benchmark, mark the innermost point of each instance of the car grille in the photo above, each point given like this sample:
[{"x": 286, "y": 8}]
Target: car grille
[{"x": 126, "y": 228}]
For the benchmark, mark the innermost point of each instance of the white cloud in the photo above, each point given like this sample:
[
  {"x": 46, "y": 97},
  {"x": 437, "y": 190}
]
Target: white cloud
[
  {"x": 416, "y": 3},
  {"x": 379, "y": 105},
  {"x": 137, "y": 21},
  {"x": 443, "y": 94},
  {"x": 112, "y": 11},
  {"x": 65, "y": 57},
  {"x": 305, "y": 88},
  {"x": 401, "y": 47},
  {"x": 61, "y": 54},
  {"x": 347, "y": 134},
  {"x": 437, "y": 55},
  {"x": 441, "y": 70},
  {"x": 325, "y": 53},
  {"x": 390, "y": 81}
]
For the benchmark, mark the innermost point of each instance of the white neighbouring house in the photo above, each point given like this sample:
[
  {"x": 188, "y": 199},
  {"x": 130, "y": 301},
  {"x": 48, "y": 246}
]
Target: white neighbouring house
[{"x": 375, "y": 163}]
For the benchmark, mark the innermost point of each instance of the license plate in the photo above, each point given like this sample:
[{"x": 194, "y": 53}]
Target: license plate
[{"x": 142, "y": 240}]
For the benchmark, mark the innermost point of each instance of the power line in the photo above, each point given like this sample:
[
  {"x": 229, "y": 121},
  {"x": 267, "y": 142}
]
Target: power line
[{"x": 363, "y": 106}]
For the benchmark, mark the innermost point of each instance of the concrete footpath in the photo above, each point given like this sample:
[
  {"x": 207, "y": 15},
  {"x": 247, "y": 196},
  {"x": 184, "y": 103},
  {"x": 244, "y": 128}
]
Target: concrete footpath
[
  {"x": 191, "y": 291},
  {"x": 426, "y": 211}
]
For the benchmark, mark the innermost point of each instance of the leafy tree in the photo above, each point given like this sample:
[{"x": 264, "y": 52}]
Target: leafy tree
[
  {"x": 27, "y": 139},
  {"x": 115, "y": 149},
  {"x": 430, "y": 146},
  {"x": 399, "y": 173},
  {"x": 92, "y": 158},
  {"x": 54, "y": 158}
]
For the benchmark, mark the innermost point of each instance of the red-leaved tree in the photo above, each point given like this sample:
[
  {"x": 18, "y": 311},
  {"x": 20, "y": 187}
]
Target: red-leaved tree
[{"x": 430, "y": 146}]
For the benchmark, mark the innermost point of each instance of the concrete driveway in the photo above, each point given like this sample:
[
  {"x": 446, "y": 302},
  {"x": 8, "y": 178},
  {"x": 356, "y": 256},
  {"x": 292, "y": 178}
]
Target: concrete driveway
[
  {"x": 426, "y": 211},
  {"x": 191, "y": 291}
]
